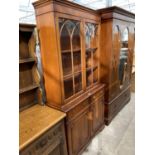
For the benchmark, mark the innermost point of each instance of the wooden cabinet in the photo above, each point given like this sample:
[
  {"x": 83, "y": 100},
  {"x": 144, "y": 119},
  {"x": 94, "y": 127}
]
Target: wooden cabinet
[
  {"x": 81, "y": 49},
  {"x": 70, "y": 47},
  {"x": 51, "y": 142},
  {"x": 29, "y": 79},
  {"x": 35, "y": 119},
  {"x": 79, "y": 132},
  {"x": 117, "y": 49},
  {"x": 97, "y": 111},
  {"x": 85, "y": 120}
]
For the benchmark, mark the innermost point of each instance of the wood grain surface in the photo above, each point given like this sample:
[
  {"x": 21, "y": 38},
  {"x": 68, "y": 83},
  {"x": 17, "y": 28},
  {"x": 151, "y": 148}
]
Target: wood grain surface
[{"x": 34, "y": 121}]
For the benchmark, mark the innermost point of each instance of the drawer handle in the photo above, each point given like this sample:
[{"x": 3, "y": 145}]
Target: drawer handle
[
  {"x": 43, "y": 143},
  {"x": 126, "y": 95},
  {"x": 55, "y": 133},
  {"x": 50, "y": 136},
  {"x": 89, "y": 94}
]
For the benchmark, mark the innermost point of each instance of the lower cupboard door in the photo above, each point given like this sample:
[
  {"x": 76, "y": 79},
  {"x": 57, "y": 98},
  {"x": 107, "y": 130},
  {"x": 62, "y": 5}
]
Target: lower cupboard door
[
  {"x": 79, "y": 133},
  {"x": 98, "y": 115}
]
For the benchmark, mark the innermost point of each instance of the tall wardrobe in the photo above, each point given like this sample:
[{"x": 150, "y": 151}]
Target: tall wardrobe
[{"x": 117, "y": 50}]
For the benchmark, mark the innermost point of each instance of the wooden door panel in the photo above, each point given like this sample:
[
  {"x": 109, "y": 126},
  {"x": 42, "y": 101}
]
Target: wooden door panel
[
  {"x": 98, "y": 114},
  {"x": 79, "y": 133}
]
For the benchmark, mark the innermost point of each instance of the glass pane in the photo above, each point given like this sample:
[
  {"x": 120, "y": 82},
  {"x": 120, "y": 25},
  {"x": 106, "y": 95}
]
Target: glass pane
[
  {"x": 64, "y": 37},
  {"x": 123, "y": 66},
  {"x": 95, "y": 59},
  {"x": 91, "y": 35},
  {"x": 95, "y": 74},
  {"x": 91, "y": 53},
  {"x": 68, "y": 86},
  {"x": 124, "y": 39},
  {"x": 88, "y": 60},
  {"x": 76, "y": 37},
  {"x": 66, "y": 63},
  {"x": 89, "y": 77},
  {"x": 115, "y": 54},
  {"x": 77, "y": 61},
  {"x": 78, "y": 83},
  {"x": 87, "y": 38},
  {"x": 71, "y": 55}
]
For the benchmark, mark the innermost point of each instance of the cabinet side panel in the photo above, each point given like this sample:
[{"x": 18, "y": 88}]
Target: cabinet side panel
[
  {"x": 50, "y": 57},
  {"x": 106, "y": 47},
  {"x": 105, "y": 54}
]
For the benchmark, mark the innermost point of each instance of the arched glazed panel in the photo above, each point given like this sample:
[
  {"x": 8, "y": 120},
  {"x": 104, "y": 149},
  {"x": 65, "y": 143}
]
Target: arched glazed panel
[
  {"x": 71, "y": 56},
  {"x": 76, "y": 45},
  {"x": 91, "y": 40},
  {"x": 124, "y": 68},
  {"x": 65, "y": 46},
  {"x": 76, "y": 37}
]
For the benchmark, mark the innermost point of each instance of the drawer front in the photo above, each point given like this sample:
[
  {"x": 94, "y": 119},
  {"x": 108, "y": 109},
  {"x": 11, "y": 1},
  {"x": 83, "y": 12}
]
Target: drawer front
[
  {"x": 42, "y": 144},
  {"x": 119, "y": 102},
  {"x": 78, "y": 109},
  {"x": 97, "y": 96}
]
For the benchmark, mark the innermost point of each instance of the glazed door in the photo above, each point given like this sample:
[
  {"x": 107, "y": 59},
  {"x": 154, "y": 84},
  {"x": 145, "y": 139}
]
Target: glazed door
[
  {"x": 91, "y": 54},
  {"x": 114, "y": 63},
  {"x": 79, "y": 133},
  {"x": 70, "y": 45},
  {"x": 124, "y": 64}
]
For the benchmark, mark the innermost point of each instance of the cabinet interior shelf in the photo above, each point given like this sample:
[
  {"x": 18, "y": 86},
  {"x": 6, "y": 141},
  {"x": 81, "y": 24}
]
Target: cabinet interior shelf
[
  {"x": 27, "y": 60},
  {"x": 28, "y": 88},
  {"x": 124, "y": 49},
  {"x": 90, "y": 68},
  {"x": 91, "y": 49},
  {"x": 69, "y": 51},
  {"x": 66, "y": 77}
]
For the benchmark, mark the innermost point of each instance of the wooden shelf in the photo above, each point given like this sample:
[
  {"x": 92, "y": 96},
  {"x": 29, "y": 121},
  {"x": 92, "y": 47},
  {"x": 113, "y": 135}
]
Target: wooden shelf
[
  {"x": 124, "y": 49},
  {"x": 69, "y": 51},
  {"x": 90, "y": 68},
  {"x": 77, "y": 73},
  {"x": 125, "y": 41},
  {"x": 28, "y": 88},
  {"x": 91, "y": 49},
  {"x": 27, "y": 60},
  {"x": 69, "y": 76},
  {"x": 77, "y": 50}
]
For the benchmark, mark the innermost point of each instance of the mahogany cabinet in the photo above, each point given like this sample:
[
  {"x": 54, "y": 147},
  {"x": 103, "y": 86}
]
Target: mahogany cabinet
[
  {"x": 117, "y": 49},
  {"x": 52, "y": 142},
  {"x": 70, "y": 49}
]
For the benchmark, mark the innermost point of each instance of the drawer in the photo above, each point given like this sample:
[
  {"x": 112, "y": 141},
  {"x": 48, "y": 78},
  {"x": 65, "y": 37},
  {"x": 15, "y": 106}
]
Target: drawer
[
  {"x": 42, "y": 143},
  {"x": 99, "y": 99},
  {"x": 99, "y": 94},
  {"x": 78, "y": 109},
  {"x": 120, "y": 101}
]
